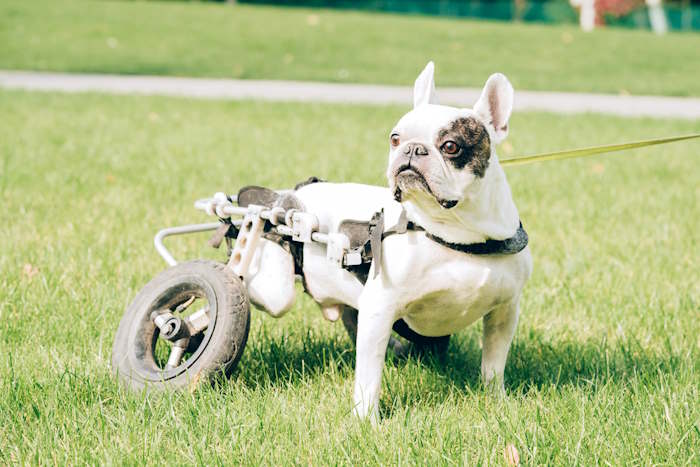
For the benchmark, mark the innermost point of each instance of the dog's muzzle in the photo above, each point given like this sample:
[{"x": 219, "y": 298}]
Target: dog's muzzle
[{"x": 408, "y": 177}]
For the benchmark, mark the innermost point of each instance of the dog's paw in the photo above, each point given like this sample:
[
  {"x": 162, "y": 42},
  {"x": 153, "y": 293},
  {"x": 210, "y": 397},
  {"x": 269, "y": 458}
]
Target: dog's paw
[
  {"x": 367, "y": 414},
  {"x": 495, "y": 388}
]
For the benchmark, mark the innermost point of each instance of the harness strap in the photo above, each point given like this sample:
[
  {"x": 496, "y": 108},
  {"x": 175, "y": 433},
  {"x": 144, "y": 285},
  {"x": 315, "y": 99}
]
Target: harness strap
[
  {"x": 402, "y": 226},
  {"x": 376, "y": 235}
]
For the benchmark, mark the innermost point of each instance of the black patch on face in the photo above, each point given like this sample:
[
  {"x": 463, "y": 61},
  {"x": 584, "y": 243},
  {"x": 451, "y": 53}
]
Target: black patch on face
[{"x": 473, "y": 141}]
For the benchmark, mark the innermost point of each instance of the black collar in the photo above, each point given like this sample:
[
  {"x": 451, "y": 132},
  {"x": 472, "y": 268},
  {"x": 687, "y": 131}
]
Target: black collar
[
  {"x": 377, "y": 234},
  {"x": 509, "y": 246}
]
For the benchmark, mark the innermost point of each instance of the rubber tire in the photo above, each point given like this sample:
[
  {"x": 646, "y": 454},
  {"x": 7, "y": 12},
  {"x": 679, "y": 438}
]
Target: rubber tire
[{"x": 224, "y": 291}]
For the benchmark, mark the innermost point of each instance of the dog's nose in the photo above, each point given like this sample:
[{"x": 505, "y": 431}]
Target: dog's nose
[{"x": 415, "y": 149}]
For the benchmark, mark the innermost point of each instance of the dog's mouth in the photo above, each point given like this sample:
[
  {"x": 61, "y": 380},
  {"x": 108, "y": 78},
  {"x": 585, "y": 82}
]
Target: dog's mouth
[{"x": 409, "y": 179}]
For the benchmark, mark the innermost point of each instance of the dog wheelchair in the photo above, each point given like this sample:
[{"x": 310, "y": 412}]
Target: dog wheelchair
[{"x": 191, "y": 322}]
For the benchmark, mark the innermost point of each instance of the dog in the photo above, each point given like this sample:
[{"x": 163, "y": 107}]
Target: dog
[{"x": 463, "y": 257}]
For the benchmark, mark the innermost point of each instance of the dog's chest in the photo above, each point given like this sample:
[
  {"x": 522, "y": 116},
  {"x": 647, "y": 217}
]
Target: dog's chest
[
  {"x": 448, "y": 304},
  {"x": 442, "y": 291}
]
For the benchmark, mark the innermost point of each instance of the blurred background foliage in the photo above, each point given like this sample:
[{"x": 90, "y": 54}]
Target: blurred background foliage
[{"x": 682, "y": 15}]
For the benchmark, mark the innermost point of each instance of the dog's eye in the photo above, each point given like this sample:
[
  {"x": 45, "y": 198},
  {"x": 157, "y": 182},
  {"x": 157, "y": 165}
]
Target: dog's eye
[
  {"x": 395, "y": 140},
  {"x": 450, "y": 147}
]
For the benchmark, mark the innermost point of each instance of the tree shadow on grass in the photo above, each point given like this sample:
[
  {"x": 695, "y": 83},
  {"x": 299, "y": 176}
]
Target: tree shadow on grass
[{"x": 535, "y": 361}]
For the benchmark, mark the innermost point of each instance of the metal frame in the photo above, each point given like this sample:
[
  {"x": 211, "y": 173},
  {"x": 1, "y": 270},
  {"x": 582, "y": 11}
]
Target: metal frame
[
  {"x": 298, "y": 225},
  {"x": 294, "y": 224},
  {"x": 179, "y": 230}
]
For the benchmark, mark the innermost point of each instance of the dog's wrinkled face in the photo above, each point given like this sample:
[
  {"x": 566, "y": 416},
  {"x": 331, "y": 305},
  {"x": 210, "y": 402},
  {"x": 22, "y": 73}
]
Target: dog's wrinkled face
[{"x": 437, "y": 152}]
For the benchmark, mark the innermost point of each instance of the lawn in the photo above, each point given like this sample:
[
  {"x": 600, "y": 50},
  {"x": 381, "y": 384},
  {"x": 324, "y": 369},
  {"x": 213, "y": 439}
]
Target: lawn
[
  {"x": 222, "y": 40},
  {"x": 605, "y": 364}
]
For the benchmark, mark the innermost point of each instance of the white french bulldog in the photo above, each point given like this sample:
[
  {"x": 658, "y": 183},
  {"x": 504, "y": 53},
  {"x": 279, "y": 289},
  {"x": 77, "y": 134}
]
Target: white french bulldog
[{"x": 444, "y": 172}]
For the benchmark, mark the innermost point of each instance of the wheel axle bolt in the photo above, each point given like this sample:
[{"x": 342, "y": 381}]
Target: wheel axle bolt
[{"x": 168, "y": 324}]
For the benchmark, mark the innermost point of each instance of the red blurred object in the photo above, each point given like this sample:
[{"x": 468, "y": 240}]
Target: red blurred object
[{"x": 615, "y": 8}]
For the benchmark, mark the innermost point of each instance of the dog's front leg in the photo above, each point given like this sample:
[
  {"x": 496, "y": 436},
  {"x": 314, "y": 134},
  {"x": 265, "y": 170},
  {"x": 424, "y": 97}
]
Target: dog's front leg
[
  {"x": 499, "y": 327},
  {"x": 375, "y": 319}
]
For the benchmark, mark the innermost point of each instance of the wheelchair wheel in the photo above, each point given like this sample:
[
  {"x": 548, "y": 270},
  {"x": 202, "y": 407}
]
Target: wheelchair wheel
[{"x": 186, "y": 326}]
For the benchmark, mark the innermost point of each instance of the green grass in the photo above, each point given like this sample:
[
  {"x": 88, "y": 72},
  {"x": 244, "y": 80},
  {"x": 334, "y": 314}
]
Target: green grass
[
  {"x": 219, "y": 40},
  {"x": 605, "y": 364}
]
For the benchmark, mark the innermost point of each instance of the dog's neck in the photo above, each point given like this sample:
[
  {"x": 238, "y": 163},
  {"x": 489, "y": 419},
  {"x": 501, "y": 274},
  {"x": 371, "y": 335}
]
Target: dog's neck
[{"x": 486, "y": 212}]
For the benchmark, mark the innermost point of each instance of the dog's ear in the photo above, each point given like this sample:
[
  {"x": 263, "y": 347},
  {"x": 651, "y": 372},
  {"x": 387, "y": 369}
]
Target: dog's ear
[
  {"x": 495, "y": 104},
  {"x": 424, "y": 88}
]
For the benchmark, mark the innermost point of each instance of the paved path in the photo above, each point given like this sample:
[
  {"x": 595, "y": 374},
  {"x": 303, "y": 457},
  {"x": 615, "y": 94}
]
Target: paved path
[{"x": 560, "y": 102}]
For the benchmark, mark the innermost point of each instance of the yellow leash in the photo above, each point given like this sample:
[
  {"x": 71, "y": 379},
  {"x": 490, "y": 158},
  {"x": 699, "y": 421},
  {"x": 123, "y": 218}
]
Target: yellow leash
[{"x": 584, "y": 152}]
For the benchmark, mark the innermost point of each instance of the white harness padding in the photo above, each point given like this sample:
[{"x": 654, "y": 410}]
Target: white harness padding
[{"x": 277, "y": 260}]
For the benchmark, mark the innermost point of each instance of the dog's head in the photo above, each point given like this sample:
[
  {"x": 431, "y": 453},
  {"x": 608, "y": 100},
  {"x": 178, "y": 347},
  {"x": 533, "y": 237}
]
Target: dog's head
[{"x": 439, "y": 154}]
